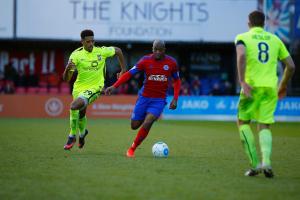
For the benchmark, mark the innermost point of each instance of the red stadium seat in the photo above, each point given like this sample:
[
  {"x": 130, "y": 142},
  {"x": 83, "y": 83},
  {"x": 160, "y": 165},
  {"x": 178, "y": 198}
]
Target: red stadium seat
[
  {"x": 32, "y": 90},
  {"x": 43, "y": 90},
  {"x": 64, "y": 88},
  {"x": 20, "y": 90},
  {"x": 53, "y": 90}
]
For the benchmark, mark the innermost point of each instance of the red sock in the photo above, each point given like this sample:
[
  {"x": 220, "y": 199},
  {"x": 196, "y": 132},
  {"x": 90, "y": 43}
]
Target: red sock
[{"x": 142, "y": 134}]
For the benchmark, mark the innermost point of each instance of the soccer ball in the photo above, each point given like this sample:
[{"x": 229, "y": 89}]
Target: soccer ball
[{"x": 160, "y": 150}]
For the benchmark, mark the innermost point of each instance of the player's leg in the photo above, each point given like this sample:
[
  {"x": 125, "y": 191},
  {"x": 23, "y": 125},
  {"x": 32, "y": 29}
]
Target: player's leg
[
  {"x": 89, "y": 96},
  {"x": 248, "y": 142},
  {"x": 82, "y": 127},
  {"x": 246, "y": 110},
  {"x": 74, "y": 117},
  {"x": 265, "y": 140},
  {"x": 265, "y": 119},
  {"x": 77, "y": 108},
  {"x": 153, "y": 109},
  {"x": 135, "y": 124},
  {"x": 137, "y": 118},
  {"x": 142, "y": 133}
]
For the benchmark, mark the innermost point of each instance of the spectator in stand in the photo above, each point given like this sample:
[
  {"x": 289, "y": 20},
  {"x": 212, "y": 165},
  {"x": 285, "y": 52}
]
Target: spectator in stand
[
  {"x": 184, "y": 72},
  {"x": 21, "y": 82},
  {"x": 54, "y": 80},
  {"x": 123, "y": 89},
  {"x": 1, "y": 85},
  {"x": 133, "y": 87},
  {"x": 185, "y": 87},
  {"x": 196, "y": 86},
  {"x": 227, "y": 88},
  {"x": 10, "y": 73},
  {"x": 33, "y": 80},
  {"x": 9, "y": 87},
  {"x": 216, "y": 90}
]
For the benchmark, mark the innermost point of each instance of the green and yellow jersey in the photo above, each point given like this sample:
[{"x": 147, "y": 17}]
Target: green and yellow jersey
[
  {"x": 90, "y": 67},
  {"x": 263, "y": 50}
]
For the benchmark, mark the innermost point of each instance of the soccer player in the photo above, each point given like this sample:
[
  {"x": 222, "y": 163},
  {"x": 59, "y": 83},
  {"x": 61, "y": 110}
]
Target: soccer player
[
  {"x": 258, "y": 52},
  {"x": 158, "y": 69},
  {"x": 89, "y": 62}
]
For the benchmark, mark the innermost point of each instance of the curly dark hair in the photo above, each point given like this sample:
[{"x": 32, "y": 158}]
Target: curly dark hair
[{"x": 85, "y": 33}]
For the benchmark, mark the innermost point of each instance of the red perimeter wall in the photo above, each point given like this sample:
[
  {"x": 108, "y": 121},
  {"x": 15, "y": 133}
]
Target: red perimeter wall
[{"x": 57, "y": 106}]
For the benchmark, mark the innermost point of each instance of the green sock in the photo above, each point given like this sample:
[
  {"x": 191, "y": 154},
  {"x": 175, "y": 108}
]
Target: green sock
[
  {"x": 265, "y": 140},
  {"x": 82, "y": 125},
  {"x": 248, "y": 141},
  {"x": 74, "y": 115}
]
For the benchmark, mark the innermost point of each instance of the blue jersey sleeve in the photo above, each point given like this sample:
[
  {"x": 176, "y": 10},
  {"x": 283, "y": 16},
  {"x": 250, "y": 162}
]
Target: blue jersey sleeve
[
  {"x": 175, "y": 71},
  {"x": 138, "y": 67},
  {"x": 175, "y": 75},
  {"x": 134, "y": 70}
]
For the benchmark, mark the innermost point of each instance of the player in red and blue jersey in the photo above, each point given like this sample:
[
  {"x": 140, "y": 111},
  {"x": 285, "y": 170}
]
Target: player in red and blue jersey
[{"x": 158, "y": 69}]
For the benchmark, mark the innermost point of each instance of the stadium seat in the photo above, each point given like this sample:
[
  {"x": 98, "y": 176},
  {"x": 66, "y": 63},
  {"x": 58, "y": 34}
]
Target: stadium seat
[
  {"x": 20, "y": 90},
  {"x": 206, "y": 87},
  {"x": 43, "y": 90},
  {"x": 53, "y": 90},
  {"x": 32, "y": 90},
  {"x": 64, "y": 88}
]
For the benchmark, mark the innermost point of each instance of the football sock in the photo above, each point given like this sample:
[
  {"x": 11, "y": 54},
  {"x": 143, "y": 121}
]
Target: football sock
[
  {"x": 74, "y": 115},
  {"x": 265, "y": 140},
  {"x": 248, "y": 142},
  {"x": 82, "y": 125},
  {"x": 142, "y": 134}
]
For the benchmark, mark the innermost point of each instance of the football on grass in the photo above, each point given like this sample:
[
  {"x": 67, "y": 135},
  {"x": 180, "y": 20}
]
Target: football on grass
[{"x": 160, "y": 150}]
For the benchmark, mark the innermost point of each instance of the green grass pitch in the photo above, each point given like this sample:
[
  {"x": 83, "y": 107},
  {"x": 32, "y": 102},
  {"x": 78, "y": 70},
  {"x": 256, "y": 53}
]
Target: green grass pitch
[{"x": 206, "y": 161}]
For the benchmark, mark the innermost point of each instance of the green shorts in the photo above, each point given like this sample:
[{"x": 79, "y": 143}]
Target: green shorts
[
  {"x": 88, "y": 95},
  {"x": 260, "y": 107}
]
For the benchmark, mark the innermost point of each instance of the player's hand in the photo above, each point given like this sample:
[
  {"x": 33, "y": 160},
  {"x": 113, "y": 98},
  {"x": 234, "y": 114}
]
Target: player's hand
[
  {"x": 109, "y": 90},
  {"x": 173, "y": 104},
  {"x": 246, "y": 89},
  {"x": 71, "y": 66},
  {"x": 120, "y": 74},
  {"x": 282, "y": 91}
]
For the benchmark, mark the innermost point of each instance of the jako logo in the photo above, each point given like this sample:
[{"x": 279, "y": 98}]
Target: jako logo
[
  {"x": 157, "y": 78},
  {"x": 53, "y": 107}
]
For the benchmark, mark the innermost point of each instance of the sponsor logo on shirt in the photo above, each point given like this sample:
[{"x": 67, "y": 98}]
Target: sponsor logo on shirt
[
  {"x": 166, "y": 67},
  {"x": 157, "y": 78},
  {"x": 92, "y": 67},
  {"x": 99, "y": 57}
]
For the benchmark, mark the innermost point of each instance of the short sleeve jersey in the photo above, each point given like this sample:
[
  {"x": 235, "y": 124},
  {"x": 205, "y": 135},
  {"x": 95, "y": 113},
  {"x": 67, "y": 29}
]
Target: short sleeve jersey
[
  {"x": 263, "y": 50},
  {"x": 90, "y": 66},
  {"x": 157, "y": 74}
]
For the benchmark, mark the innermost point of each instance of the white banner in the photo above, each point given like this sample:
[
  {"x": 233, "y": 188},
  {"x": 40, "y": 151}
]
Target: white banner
[
  {"x": 134, "y": 20},
  {"x": 6, "y": 18}
]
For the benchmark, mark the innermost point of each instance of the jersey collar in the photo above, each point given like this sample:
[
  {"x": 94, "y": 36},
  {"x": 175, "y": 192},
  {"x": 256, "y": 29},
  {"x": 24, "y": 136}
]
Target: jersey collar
[
  {"x": 88, "y": 51},
  {"x": 257, "y": 29}
]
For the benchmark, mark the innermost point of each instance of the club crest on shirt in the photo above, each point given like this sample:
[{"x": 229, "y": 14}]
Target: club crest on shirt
[
  {"x": 99, "y": 57},
  {"x": 166, "y": 67}
]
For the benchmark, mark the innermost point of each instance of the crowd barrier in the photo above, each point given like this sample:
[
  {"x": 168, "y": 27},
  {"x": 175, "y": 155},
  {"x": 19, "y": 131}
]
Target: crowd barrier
[
  {"x": 121, "y": 106},
  {"x": 57, "y": 106},
  {"x": 225, "y": 109}
]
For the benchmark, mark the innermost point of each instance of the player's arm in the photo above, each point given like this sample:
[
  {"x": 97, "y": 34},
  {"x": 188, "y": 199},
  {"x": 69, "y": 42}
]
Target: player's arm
[
  {"x": 287, "y": 75},
  {"x": 121, "y": 60},
  {"x": 123, "y": 79},
  {"x": 241, "y": 67},
  {"x": 176, "y": 85},
  {"x": 69, "y": 70}
]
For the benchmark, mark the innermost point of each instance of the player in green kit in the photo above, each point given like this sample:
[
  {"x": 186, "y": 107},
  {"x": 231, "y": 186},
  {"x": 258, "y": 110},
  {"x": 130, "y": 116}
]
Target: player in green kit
[
  {"x": 89, "y": 62},
  {"x": 258, "y": 53}
]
